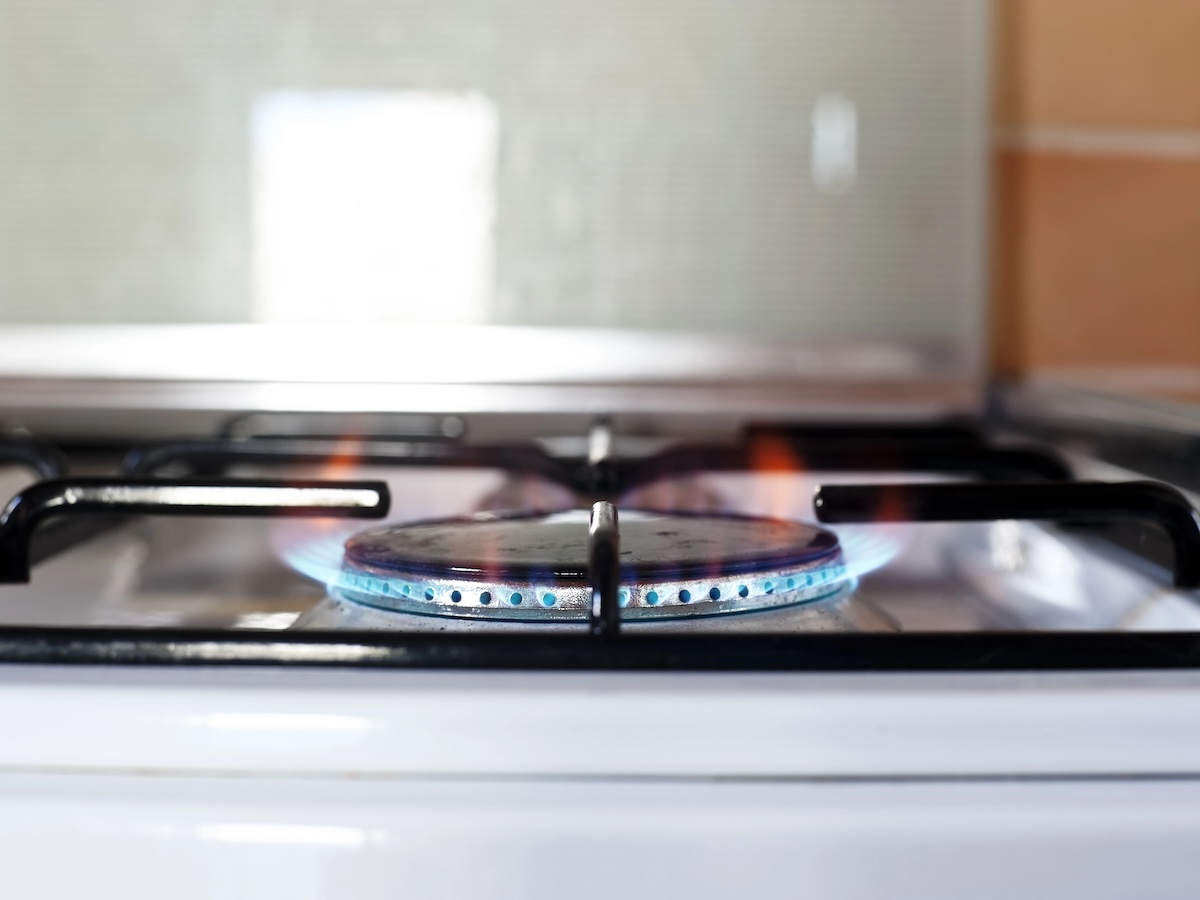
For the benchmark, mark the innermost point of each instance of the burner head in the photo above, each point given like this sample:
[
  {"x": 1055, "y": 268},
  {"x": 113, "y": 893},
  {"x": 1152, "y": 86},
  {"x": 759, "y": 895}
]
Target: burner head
[{"x": 535, "y": 567}]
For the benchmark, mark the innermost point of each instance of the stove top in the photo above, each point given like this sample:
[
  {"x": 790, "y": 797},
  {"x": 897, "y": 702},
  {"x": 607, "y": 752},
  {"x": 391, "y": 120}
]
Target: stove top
[{"x": 788, "y": 546}]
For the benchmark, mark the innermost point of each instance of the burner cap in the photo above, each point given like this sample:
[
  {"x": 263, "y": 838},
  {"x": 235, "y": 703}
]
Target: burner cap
[{"x": 535, "y": 567}]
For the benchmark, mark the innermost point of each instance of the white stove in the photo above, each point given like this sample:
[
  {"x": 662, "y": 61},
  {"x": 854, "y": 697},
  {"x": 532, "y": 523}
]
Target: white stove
[
  {"x": 542, "y": 450},
  {"x": 215, "y": 703}
]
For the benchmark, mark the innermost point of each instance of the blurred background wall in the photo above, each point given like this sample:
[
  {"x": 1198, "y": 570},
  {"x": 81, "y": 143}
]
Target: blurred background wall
[
  {"x": 652, "y": 164},
  {"x": 1096, "y": 232},
  {"x": 803, "y": 168}
]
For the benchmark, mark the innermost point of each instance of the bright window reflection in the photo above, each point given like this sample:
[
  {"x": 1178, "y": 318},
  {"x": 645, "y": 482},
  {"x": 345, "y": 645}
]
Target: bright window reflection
[
  {"x": 373, "y": 206},
  {"x": 302, "y": 722},
  {"x": 834, "y": 143},
  {"x": 272, "y": 833}
]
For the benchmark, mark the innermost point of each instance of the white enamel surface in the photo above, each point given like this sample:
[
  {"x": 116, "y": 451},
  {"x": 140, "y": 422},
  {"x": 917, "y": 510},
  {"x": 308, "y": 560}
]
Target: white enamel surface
[
  {"x": 134, "y": 838},
  {"x": 192, "y": 783},
  {"x": 364, "y": 724}
]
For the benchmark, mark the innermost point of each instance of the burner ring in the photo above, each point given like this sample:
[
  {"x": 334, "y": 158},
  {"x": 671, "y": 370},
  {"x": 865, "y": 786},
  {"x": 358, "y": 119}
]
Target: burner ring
[{"x": 533, "y": 568}]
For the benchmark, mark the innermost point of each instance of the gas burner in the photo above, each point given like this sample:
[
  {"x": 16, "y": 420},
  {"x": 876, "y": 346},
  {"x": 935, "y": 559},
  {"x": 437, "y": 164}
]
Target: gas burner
[{"x": 534, "y": 568}]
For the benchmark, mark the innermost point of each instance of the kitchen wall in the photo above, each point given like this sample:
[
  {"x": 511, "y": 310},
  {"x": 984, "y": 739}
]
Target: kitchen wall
[
  {"x": 1096, "y": 233},
  {"x": 811, "y": 169}
]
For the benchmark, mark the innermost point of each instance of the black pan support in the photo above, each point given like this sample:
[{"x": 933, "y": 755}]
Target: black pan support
[
  {"x": 213, "y": 456},
  {"x": 1138, "y": 501},
  {"x": 845, "y": 455},
  {"x": 46, "y": 460},
  {"x": 150, "y": 496},
  {"x": 603, "y": 475},
  {"x": 805, "y": 652},
  {"x": 604, "y": 569}
]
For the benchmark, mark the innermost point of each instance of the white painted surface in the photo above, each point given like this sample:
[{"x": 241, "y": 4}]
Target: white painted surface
[
  {"x": 488, "y": 724},
  {"x": 202, "y": 783},
  {"x": 136, "y": 838}
]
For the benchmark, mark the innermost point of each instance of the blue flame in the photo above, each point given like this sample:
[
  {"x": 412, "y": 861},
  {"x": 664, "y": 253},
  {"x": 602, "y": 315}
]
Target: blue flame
[
  {"x": 318, "y": 554},
  {"x": 314, "y": 553},
  {"x": 866, "y": 548}
]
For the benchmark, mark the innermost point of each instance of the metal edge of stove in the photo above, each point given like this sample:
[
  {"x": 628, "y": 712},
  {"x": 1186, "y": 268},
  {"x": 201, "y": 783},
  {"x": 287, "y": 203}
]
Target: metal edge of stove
[
  {"x": 462, "y": 355},
  {"x": 1107, "y": 401},
  {"x": 168, "y": 409},
  {"x": 159, "y": 380},
  {"x": 1130, "y": 423}
]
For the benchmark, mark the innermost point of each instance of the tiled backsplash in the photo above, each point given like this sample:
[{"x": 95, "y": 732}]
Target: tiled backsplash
[{"x": 1097, "y": 184}]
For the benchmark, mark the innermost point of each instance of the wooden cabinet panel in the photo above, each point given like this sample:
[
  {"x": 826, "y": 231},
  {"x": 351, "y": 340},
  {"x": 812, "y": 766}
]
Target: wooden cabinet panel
[{"x": 1098, "y": 261}]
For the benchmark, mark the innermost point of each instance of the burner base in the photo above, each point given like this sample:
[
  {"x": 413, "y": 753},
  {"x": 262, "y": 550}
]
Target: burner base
[
  {"x": 843, "y": 611},
  {"x": 533, "y": 569}
]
